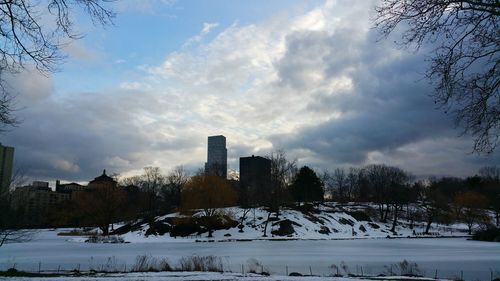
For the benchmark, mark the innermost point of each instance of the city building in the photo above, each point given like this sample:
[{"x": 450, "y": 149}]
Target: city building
[
  {"x": 102, "y": 181},
  {"x": 72, "y": 188},
  {"x": 6, "y": 160},
  {"x": 216, "y": 156},
  {"x": 255, "y": 179},
  {"x": 36, "y": 201}
]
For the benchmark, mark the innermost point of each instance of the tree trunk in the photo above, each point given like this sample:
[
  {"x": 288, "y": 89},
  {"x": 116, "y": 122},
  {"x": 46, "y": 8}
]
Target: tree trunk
[
  {"x": 265, "y": 226},
  {"x": 429, "y": 222},
  {"x": 386, "y": 214},
  {"x": 395, "y": 221},
  {"x": 381, "y": 211},
  {"x": 105, "y": 229}
]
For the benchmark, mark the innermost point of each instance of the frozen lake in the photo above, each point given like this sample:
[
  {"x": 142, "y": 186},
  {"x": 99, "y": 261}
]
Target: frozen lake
[{"x": 448, "y": 256}]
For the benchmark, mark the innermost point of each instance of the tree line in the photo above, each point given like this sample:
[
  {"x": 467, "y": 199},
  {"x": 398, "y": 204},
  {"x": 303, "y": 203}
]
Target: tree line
[{"x": 393, "y": 193}]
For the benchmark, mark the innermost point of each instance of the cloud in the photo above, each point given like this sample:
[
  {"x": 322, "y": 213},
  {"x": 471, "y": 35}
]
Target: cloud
[
  {"x": 316, "y": 84},
  {"x": 65, "y": 166},
  {"x": 207, "y": 27}
]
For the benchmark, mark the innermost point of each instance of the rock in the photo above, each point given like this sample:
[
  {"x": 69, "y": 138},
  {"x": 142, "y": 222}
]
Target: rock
[
  {"x": 324, "y": 230},
  {"x": 285, "y": 228},
  {"x": 362, "y": 228}
]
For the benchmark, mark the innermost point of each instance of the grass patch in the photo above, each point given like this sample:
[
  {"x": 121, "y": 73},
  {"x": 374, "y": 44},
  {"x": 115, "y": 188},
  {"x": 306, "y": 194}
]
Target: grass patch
[{"x": 12, "y": 272}]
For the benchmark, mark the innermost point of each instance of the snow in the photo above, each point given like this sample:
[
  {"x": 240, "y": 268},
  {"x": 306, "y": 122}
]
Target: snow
[
  {"x": 305, "y": 250},
  {"x": 331, "y": 216},
  {"x": 448, "y": 255},
  {"x": 201, "y": 276}
]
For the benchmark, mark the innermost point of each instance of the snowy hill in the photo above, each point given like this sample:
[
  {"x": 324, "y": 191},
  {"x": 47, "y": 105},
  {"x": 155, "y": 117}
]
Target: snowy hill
[{"x": 328, "y": 221}]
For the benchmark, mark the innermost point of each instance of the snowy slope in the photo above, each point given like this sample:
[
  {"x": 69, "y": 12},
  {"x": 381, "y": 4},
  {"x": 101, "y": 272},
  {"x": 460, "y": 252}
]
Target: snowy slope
[{"x": 326, "y": 222}]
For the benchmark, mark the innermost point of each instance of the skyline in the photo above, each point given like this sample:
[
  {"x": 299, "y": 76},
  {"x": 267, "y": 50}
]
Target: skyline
[{"x": 309, "y": 78}]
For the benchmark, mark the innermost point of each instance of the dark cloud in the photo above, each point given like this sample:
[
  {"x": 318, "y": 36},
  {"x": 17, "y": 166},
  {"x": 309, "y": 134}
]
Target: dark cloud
[{"x": 388, "y": 107}]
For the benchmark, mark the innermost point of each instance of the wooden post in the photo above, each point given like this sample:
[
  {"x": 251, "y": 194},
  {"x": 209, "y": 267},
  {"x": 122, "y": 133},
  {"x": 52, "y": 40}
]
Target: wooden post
[
  {"x": 58, "y": 268},
  {"x": 310, "y": 271},
  {"x": 436, "y": 274},
  {"x": 39, "y": 266},
  {"x": 361, "y": 270},
  {"x": 242, "y": 269},
  {"x": 461, "y": 275},
  {"x": 287, "y": 270}
]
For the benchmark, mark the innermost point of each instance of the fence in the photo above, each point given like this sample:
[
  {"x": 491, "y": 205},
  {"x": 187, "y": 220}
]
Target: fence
[{"x": 338, "y": 270}]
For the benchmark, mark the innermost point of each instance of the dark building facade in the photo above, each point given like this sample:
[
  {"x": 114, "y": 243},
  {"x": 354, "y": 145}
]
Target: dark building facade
[
  {"x": 6, "y": 160},
  {"x": 255, "y": 179},
  {"x": 216, "y": 164}
]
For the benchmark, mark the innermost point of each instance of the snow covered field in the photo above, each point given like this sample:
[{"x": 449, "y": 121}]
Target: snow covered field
[
  {"x": 197, "y": 276},
  {"x": 446, "y": 255}
]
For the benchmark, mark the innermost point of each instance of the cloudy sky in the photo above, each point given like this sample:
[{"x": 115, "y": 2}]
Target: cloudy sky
[{"x": 309, "y": 77}]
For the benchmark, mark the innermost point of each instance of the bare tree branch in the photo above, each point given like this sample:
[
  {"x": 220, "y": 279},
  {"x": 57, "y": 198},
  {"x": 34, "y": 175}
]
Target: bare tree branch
[
  {"x": 26, "y": 42},
  {"x": 464, "y": 65}
]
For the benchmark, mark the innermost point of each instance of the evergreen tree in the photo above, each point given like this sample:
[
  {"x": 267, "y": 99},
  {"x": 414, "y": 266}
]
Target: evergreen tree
[{"x": 307, "y": 186}]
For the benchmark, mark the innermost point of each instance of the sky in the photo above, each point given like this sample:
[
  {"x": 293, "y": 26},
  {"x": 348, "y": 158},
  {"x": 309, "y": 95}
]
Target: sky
[{"x": 312, "y": 78}]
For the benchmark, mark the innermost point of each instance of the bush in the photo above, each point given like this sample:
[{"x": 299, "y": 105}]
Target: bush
[
  {"x": 203, "y": 263},
  {"x": 491, "y": 234},
  {"x": 158, "y": 228},
  {"x": 404, "y": 268},
  {"x": 113, "y": 239},
  {"x": 147, "y": 263},
  {"x": 184, "y": 227},
  {"x": 77, "y": 232}
]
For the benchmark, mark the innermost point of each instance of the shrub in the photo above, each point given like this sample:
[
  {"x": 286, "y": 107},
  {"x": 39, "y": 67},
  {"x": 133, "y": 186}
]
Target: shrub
[
  {"x": 201, "y": 263},
  {"x": 404, "y": 268},
  {"x": 113, "y": 239},
  {"x": 491, "y": 234},
  {"x": 148, "y": 263}
]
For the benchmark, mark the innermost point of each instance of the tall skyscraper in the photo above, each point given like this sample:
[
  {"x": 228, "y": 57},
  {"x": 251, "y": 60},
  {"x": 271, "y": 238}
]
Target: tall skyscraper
[
  {"x": 217, "y": 156},
  {"x": 6, "y": 159}
]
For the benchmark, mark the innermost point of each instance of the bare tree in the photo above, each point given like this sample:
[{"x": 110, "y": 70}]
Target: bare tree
[
  {"x": 11, "y": 224},
  {"x": 174, "y": 182},
  {"x": 433, "y": 204},
  {"x": 7, "y": 108},
  {"x": 339, "y": 178},
  {"x": 15, "y": 236},
  {"x": 465, "y": 61},
  {"x": 471, "y": 208},
  {"x": 283, "y": 171},
  {"x": 33, "y": 33},
  {"x": 353, "y": 178},
  {"x": 491, "y": 173}
]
